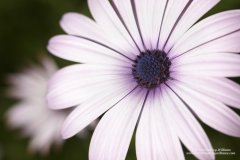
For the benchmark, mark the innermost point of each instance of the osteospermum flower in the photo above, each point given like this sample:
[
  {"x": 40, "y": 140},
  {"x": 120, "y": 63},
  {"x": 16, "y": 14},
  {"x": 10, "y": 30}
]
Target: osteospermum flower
[
  {"x": 151, "y": 66},
  {"x": 31, "y": 114}
]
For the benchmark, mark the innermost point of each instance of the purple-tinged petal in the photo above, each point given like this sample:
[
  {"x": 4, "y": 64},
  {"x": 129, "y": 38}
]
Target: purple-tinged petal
[
  {"x": 186, "y": 126},
  {"x": 192, "y": 14},
  {"x": 126, "y": 15},
  {"x": 221, "y": 89},
  {"x": 207, "y": 58},
  {"x": 113, "y": 134},
  {"x": 155, "y": 137},
  {"x": 212, "y": 112},
  {"x": 106, "y": 17},
  {"x": 209, "y": 30},
  {"x": 90, "y": 110},
  {"x": 213, "y": 69},
  {"x": 81, "y": 50},
  {"x": 81, "y": 26},
  {"x": 77, "y": 83},
  {"x": 173, "y": 14}
]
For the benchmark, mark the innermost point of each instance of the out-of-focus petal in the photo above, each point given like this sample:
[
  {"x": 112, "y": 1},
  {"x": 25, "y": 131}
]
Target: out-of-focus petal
[
  {"x": 49, "y": 132},
  {"x": 31, "y": 115},
  {"x": 16, "y": 115}
]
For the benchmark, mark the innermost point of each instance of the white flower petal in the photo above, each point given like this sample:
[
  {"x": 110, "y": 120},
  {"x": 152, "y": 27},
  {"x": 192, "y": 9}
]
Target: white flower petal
[
  {"x": 203, "y": 58},
  {"x": 126, "y": 15},
  {"x": 113, "y": 134},
  {"x": 228, "y": 44},
  {"x": 212, "y": 112},
  {"x": 155, "y": 139},
  {"x": 186, "y": 126},
  {"x": 213, "y": 69},
  {"x": 143, "y": 13},
  {"x": 158, "y": 12},
  {"x": 77, "y": 83},
  {"x": 107, "y": 18},
  {"x": 221, "y": 89},
  {"x": 82, "y": 26},
  {"x": 193, "y": 13},
  {"x": 84, "y": 51},
  {"x": 87, "y": 112},
  {"x": 213, "y": 28},
  {"x": 208, "y": 64},
  {"x": 173, "y": 14}
]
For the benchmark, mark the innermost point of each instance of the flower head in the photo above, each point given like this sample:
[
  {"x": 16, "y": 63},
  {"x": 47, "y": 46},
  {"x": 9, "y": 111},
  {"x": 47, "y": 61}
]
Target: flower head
[
  {"x": 151, "y": 66},
  {"x": 31, "y": 114}
]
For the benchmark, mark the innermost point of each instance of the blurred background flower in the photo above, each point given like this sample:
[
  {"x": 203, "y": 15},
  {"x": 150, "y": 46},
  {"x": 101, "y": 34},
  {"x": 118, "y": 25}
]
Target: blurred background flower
[
  {"x": 31, "y": 114},
  {"x": 26, "y": 27}
]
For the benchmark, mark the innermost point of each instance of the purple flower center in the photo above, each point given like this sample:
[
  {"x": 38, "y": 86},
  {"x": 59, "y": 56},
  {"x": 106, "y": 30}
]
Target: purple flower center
[{"x": 151, "y": 68}]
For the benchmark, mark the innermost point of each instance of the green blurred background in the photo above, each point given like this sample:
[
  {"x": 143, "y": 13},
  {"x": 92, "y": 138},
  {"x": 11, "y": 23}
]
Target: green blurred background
[{"x": 26, "y": 26}]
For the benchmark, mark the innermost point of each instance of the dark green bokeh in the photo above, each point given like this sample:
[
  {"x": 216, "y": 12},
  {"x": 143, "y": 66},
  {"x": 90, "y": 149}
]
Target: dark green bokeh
[{"x": 26, "y": 26}]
